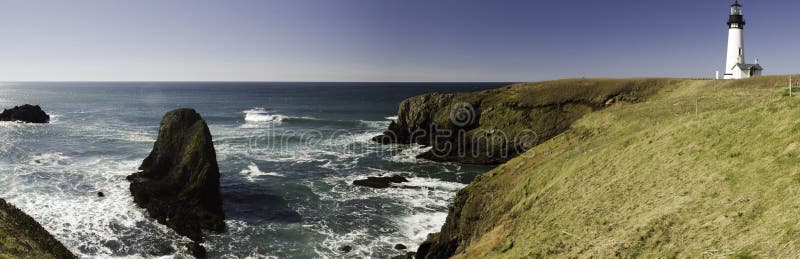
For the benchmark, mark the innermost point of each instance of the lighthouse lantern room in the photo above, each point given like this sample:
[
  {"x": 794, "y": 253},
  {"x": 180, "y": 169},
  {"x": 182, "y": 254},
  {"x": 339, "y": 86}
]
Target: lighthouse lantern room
[{"x": 735, "y": 66}]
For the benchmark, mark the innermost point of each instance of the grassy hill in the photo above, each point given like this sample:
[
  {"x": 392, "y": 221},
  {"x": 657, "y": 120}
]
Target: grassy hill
[
  {"x": 22, "y": 237},
  {"x": 700, "y": 168}
]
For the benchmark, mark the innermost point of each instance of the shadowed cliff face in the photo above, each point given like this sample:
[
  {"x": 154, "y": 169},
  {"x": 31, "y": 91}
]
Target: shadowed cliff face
[
  {"x": 493, "y": 126},
  {"x": 179, "y": 181},
  {"x": 22, "y": 237}
]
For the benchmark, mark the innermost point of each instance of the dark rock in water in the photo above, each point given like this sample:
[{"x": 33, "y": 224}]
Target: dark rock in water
[
  {"x": 25, "y": 113},
  {"x": 23, "y": 237},
  {"x": 346, "y": 249},
  {"x": 196, "y": 250},
  {"x": 409, "y": 255},
  {"x": 400, "y": 247},
  {"x": 179, "y": 181},
  {"x": 380, "y": 182},
  {"x": 100, "y": 194}
]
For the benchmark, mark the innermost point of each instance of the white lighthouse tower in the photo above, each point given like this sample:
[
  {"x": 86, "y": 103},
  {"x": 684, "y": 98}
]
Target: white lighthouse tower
[{"x": 735, "y": 66}]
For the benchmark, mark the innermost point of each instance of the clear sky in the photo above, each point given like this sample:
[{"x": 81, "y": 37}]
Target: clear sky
[{"x": 384, "y": 40}]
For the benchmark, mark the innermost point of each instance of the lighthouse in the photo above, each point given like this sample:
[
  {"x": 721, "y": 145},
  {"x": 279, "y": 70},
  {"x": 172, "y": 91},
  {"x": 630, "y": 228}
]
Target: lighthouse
[{"x": 735, "y": 65}]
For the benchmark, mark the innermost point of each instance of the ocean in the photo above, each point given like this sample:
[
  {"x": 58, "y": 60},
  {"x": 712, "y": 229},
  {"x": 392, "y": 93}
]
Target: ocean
[{"x": 288, "y": 153}]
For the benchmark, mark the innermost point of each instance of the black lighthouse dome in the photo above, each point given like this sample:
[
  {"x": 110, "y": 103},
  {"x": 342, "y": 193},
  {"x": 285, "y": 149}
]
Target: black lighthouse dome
[{"x": 736, "y": 20}]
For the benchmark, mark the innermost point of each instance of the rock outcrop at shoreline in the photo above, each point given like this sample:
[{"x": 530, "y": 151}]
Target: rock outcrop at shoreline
[
  {"x": 178, "y": 183},
  {"x": 380, "y": 182},
  {"x": 23, "y": 237},
  {"x": 493, "y": 126},
  {"x": 25, "y": 113}
]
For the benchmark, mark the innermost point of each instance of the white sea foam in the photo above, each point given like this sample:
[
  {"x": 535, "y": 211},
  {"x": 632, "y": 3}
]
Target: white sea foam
[
  {"x": 60, "y": 193},
  {"x": 409, "y": 155},
  {"x": 425, "y": 200},
  {"x": 392, "y": 118},
  {"x": 259, "y": 115},
  {"x": 54, "y": 118},
  {"x": 49, "y": 159},
  {"x": 416, "y": 227},
  {"x": 253, "y": 172}
]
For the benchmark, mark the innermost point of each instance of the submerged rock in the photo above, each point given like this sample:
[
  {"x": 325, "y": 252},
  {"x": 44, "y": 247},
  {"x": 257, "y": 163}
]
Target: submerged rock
[
  {"x": 409, "y": 255},
  {"x": 196, "y": 249},
  {"x": 178, "y": 183},
  {"x": 400, "y": 247},
  {"x": 345, "y": 249},
  {"x": 101, "y": 194},
  {"x": 25, "y": 113},
  {"x": 23, "y": 237},
  {"x": 380, "y": 182}
]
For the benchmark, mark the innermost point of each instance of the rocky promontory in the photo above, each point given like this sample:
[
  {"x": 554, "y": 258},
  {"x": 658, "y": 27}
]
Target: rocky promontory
[
  {"x": 493, "y": 126},
  {"x": 679, "y": 174},
  {"x": 178, "y": 183},
  {"x": 23, "y": 237},
  {"x": 25, "y": 113}
]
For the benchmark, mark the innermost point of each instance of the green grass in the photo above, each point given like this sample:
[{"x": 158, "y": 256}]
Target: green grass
[
  {"x": 22, "y": 237},
  {"x": 523, "y": 114},
  {"x": 701, "y": 168}
]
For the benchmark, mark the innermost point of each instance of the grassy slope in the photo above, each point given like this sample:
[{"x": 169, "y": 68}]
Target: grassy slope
[
  {"x": 22, "y": 237},
  {"x": 703, "y": 168},
  {"x": 538, "y": 110}
]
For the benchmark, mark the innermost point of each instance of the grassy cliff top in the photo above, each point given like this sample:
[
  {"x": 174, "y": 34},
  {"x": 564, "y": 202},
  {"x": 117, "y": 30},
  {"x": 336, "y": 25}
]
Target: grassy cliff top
[
  {"x": 22, "y": 237},
  {"x": 701, "y": 168}
]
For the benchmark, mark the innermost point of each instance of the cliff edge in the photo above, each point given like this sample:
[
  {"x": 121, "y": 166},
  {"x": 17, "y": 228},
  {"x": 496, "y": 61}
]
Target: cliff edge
[
  {"x": 23, "y": 237},
  {"x": 701, "y": 168},
  {"x": 493, "y": 126}
]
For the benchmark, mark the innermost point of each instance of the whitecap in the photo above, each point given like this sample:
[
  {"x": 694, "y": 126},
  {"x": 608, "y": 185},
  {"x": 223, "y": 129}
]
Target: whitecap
[
  {"x": 391, "y": 118},
  {"x": 260, "y": 115},
  {"x": 416, "y": 227},
  {"x": 252, "y": 172},
  {"x": 409, "y": 155},
  {"x": 49, "y": 159}
]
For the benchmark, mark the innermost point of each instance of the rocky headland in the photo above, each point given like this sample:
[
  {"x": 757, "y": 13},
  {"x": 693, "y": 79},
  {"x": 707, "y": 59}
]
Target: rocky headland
[
  {"x": 23, "y": 237},
  {"x": 178, "y": 183},
  {"x": 25, "y": 113},
  {"x": 689, "y": 169},
  {"x": 493, "y": 126}
]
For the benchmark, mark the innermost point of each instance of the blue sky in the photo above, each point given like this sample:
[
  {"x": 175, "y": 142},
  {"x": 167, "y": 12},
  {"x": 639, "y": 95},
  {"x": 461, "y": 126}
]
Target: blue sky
[{"x": 383, "y": 40}]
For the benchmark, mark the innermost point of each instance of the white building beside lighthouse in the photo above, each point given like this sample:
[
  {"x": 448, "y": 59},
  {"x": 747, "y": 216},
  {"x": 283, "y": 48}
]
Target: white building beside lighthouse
[{"x": 735, "y": 66}]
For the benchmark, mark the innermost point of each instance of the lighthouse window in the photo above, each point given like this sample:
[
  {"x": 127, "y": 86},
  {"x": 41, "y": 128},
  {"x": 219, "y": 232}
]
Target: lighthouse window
[{"x": 736, "y": 10}]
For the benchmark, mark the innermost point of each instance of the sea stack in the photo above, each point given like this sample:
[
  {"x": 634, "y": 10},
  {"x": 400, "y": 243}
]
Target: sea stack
[
  {"x": 178, "y": 183},
  {"x": 25, "y": 113}
]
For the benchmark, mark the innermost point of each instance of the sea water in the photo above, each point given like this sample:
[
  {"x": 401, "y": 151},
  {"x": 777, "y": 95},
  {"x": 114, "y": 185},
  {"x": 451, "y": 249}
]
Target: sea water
[{"x": 288, "y": 154}]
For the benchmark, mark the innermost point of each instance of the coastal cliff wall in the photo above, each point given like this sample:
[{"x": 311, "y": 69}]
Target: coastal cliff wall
[
  {"x": 493, "y": 126},
  {"x": 23, "y": 237},
  {"x": 700, "y": 168}
]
